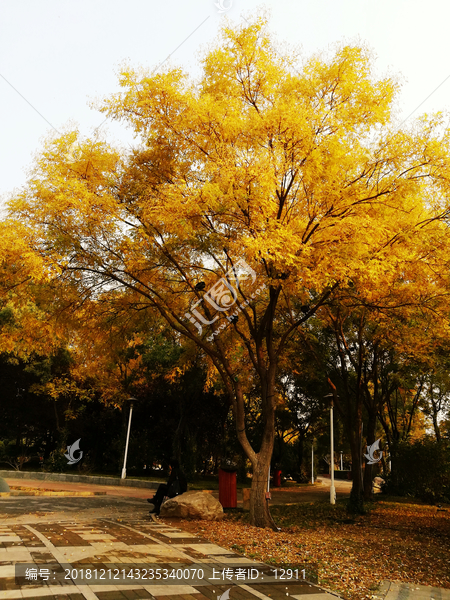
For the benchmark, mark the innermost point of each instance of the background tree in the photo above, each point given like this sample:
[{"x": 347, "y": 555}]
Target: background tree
[{"x": 436, "y": 395}]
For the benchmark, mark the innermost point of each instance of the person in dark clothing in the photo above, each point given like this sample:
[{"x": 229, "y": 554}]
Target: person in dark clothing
[{"x": 176, "y": 485}]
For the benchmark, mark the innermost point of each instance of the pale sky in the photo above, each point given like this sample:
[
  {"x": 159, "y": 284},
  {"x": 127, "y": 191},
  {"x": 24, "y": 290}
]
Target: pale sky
[{"x": 59, "y": 54}]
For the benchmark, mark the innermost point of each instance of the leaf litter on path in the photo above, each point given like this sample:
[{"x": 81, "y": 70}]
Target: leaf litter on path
[{"x": 395, "y": 541}]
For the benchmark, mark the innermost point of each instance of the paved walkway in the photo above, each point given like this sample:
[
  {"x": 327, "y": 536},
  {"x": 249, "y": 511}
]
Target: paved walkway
[
  {"x": 122, "y": 491},
  {"x": 394, "y": 590},
  {"x": 306, "y": 493},
  {"x": 114, "y": 528},
  {"x": 108, "y": 548}
]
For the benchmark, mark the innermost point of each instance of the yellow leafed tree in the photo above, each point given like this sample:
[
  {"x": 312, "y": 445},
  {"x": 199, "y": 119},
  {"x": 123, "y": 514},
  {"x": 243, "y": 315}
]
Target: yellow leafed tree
[
  {"x": 251, "y": 197},
  {"x": 25, "y": 327}
]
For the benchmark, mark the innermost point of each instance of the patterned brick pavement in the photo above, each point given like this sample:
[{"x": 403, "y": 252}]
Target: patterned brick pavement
[{"x": 118, "y": 535}]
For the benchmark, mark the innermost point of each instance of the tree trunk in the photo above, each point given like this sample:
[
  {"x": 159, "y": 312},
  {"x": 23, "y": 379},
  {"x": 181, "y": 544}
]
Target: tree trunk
[
  {"x": 394, "y": 467},
  {"x": 367, "y": 482},
  {"x": 301, "y": 440},
  {"x": 356, "y": 502},
  {"x": 437, "y": 431},
  {"x": 368, "y": 471},
  {"x": 259, "y": 505}
]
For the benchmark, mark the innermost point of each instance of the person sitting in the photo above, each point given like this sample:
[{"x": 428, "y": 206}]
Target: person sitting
[{"x": 176, "y": 485}]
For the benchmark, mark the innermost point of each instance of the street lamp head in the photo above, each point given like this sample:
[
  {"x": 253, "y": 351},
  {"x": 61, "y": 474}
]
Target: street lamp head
[{"x": 333, "y": 396}]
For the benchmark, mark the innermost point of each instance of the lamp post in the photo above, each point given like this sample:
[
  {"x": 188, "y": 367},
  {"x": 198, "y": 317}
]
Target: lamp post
[
  {"x": 124, "y": 469},
  {"x": 332, "y": 488},
  {"x": 312, "y": 462},
  {"x": 342, "y": 468}
]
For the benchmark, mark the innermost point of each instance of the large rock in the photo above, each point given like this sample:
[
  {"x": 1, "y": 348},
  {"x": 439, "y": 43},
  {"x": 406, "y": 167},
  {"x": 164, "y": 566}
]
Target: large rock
[
  {"x": 193, "y": 505},
  {"x": 4, "y": 487}
]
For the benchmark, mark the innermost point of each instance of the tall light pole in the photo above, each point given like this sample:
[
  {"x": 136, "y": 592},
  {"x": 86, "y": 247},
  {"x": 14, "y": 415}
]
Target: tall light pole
[
  {"x": 124, "y": 469},
  {"x": 342, "y": 468},
  {"x": 332, "y": 488},
  {"x": 312, "y": 462}
]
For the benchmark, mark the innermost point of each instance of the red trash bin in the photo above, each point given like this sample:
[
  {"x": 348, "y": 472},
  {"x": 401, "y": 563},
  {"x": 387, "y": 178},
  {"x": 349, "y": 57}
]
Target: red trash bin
[
  {"x": 227, "y": 488},
  {"x": 277, "y": 478}
]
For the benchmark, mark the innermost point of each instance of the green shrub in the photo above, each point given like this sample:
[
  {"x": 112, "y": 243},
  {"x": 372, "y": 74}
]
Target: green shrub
[
  {"x": 56, "y": 462},
  {"x": 14, "y": 456},
  {"x": 420, "y": 469}
]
